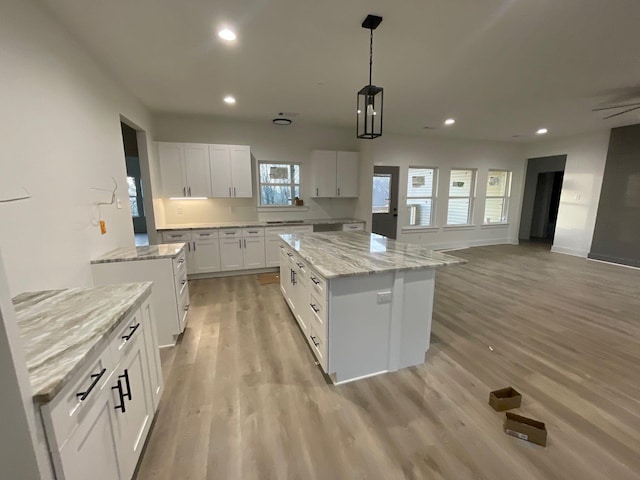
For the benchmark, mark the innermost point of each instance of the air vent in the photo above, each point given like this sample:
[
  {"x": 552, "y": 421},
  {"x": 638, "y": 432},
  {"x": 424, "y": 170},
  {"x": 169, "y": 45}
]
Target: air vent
[{"x": 288, "y": 114}]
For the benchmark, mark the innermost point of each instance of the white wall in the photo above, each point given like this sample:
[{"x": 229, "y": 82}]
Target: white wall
[
  {"x": 268, "y": 142},
  {"x": 60, "y": 136},
  {"x": 445, "y": 154},
  {"x": 584, "y": 169}
]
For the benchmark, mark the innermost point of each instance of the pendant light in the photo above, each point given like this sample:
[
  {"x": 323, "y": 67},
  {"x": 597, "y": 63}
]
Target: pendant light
[{"x": 370, "y": 97}]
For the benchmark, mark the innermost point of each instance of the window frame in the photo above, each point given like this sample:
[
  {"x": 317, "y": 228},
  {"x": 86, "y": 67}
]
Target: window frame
[
  {"x": 471, "y": 196},
  {"x": 291, "y": 185},
  {"x": 433, "y": 197},
  {"x": 506, "y": 198}
]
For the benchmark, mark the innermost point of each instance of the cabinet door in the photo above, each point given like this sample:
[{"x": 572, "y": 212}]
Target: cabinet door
[
  {"x": 241, "y": 171},
  {"x": 284, "y": 273},
  {"x": 207, "y": 255},
  {"x": 323, "y": 174},
  {"x": 171, "y": 159},
  {"x": 347, "y": 174},
  {"x": 254, "y": 256},
  {"x": 197, "y": 170},
  {"x": 231, "y": 254},
  {"x": 272, "y": 251},
  {"x": 192, "y": 266},
  {"x": 156, "y": 381},
  {"x": 220, "y": 163},
  {"x": 92, "y": 451},
  {"x": 134, "y": 422}
]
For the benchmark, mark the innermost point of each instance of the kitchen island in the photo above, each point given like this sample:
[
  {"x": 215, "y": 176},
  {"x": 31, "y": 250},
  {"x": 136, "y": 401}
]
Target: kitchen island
[{"x": 363, "y": 301}]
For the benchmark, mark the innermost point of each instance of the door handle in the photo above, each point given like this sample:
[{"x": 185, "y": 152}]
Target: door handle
[
  {"x": 234, "y": 191},
  {"x": 317, "y": 192},
  {"x": 121, "y": 396},
  {"x": 338, "y": 191},
  {"x": 189, "y": 191},
  {"x": 126, "y": 379},
  {"x": 133, "y": 330},
  {"x": 96, "y": 378},
  {"x": 184, "y": 191},
  {"x": 229, "y": 191},
  {"x": 194, "y": 246}
]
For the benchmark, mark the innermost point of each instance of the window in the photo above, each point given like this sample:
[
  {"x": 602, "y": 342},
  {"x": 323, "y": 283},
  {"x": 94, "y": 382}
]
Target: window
[
  {"x": 133, "y": 197},
  {"x": 381, "y": 193},
  {"x": 279, "y": 183},
  {"x": 498, "y": 191},
  {"x": 461, "y": 192},
  {"x": 420, "y": 194}
]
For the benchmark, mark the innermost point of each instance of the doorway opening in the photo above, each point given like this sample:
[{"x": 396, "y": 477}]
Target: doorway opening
[
  {"x": 134, "y": 184},
  {"x": 541, "y": 201},
  {"x": 384, "y": 201}
]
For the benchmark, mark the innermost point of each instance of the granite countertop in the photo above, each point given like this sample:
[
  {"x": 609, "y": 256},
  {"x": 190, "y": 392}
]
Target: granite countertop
[
  {"x": 61, "y": 328},
  {"x": 150, "y": 252},
  {"x": 257, "y": 223},
  {"x": 341, "y": 254}
]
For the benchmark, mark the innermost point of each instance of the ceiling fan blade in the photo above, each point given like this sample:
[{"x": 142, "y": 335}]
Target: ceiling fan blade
[
  {"x": 615, "y": 106},
  {"x": 621, "y": 113}
]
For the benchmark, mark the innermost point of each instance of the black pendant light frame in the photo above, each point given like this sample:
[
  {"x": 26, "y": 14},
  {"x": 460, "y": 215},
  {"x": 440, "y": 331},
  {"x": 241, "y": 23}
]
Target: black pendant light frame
[{"x": 370, "y": 98}]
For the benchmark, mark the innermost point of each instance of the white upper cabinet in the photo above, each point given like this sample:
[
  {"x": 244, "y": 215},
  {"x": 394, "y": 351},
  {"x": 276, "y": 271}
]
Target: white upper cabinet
[
  {"x": 171, "y": 158},
  {"x": 231, "y": 171},
  {"x": 334, "y": 174},
  {"x": 203, "y": 170},
  {"x": 323, "y": 173},
  {"x": 197, "y": 170},
  {"x": 347, "y": 174},
  {"x": 220, "y": 158}
]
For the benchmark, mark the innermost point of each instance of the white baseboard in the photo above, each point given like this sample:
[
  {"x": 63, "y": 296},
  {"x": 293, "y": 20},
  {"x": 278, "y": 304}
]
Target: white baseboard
[
  {"x": 471, "y": 243},
  {"x": 569, "y": 251}
]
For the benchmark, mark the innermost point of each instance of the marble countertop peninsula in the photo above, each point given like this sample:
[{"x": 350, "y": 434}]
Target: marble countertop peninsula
[
  {"x": 257, "y": 223},
  {"x": 61, "y": 328},
  {"x": 149, "y": 252},
  {"x": 341, "y": 254}
]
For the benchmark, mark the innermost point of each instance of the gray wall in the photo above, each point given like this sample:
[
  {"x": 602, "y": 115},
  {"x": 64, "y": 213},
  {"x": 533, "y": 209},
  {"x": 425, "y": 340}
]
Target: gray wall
[
  {"x": 617, "y": 233},
  {"x": 534, "y": 167}
]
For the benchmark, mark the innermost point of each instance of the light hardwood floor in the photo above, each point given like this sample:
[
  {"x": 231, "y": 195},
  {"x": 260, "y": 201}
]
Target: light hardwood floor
[{"x": 244, "y": 399}]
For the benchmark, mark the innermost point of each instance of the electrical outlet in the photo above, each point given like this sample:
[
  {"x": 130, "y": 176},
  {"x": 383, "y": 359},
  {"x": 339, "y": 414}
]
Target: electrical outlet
[
  {"x": 178, "y": 210},
  {"x": 384, "y": 297},
  {"x": 118, "y": 204}
]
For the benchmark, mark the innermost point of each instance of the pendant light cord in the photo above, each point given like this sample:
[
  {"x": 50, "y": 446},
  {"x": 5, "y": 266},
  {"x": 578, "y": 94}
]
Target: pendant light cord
[{"x": 370, "y": 55}]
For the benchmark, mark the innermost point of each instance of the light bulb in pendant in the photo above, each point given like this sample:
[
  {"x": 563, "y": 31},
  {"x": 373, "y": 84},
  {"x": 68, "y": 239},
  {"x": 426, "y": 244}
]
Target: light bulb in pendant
[{"x": 370, "y": 110}]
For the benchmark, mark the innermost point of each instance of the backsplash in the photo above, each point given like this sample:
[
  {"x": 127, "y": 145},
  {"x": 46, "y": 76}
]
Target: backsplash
[{"x": 177, "y": 212}]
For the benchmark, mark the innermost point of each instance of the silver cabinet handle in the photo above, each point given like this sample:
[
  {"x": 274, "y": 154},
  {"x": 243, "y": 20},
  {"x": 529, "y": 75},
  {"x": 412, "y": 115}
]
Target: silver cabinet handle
[
  {"x": 245, "y": 243},
  {"x": 314, "y": 308},
  {"x": 184, "y": 191},
  {"x": 188, "y": 246},
  {"x": 194, "y": 246},
  {"x": 239, "y": 243},
  {"x": 204, "y": 234},
  {"x": 317, "y": 192},
  {"x": 182, "y": 259},
  {"x": 234, "y": 191},
  {"x": 313, "y": 339},
  {"x": 338, "y": 191},
  {"x": 229, "y": 233},
  {"x": 229, "y": 191},
  {"x": 315, "y": 280},
  {"x": 190, "y": 191}
]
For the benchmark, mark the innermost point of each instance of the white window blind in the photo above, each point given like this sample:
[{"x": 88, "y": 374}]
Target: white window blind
[
  {"x": 461, "y": 192},
  {"x": 421, "y": 185}
]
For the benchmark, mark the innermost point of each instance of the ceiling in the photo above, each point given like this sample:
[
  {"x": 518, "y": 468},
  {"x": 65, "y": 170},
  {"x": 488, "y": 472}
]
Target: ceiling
[{"x": 501, "y": 68}]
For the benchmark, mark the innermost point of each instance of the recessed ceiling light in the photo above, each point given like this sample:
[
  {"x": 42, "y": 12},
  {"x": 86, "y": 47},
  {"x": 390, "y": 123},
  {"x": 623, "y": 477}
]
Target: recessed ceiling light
[
  {"x": 227, "y": 35},
  {"x": 541, "y": 131},
  {"x": 229, "y": 100},
  {"x": 281, "y": 121},
  {"x": 449, "y": 121}
]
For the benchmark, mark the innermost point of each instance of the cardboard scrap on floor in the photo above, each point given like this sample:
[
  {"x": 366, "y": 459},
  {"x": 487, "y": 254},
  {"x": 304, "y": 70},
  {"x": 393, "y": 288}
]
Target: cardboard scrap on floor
[
  {"x": 267, "y": 278},
  {"x": 516, "y": 425}
]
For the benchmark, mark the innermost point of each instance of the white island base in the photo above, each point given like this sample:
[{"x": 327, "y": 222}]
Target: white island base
[{"x": 359, "y": 325}]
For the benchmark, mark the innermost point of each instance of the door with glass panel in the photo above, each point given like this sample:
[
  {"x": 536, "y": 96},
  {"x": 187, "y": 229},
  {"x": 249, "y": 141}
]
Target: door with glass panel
[{"x": 384, "y": 201}]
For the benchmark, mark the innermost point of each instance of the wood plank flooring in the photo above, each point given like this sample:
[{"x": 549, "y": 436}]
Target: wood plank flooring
[{"x": 245, "y": 400}]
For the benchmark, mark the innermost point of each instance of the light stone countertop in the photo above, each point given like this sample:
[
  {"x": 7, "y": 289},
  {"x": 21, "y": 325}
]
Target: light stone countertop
[
  {"x": 61, "y": 328},
  {"x": 257, "y": 223},
  {"x": 150, "y": 252},
  {"x": 341, "y": 254}
]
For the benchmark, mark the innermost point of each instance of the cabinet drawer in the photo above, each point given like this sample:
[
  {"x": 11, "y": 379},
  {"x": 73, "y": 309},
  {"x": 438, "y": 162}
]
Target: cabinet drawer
[
  {"x": 318, "y": 284},
  {"x": 173, "y": 236},
  {"x": 319, "y": 347},
  {"x": 318, "y": 309},
  {"x": 302, "y": 229},
  {"x": 183, "y": 309},
  {"x": 205, "y": 234},
  {"x": 253, "y": 232},
  {"x": 230, "y": 233},
  {"x": 347, "y": 227},
  {"x": 275, "y": 231},
  {"x": 124, "y": 336},
  {"x": 72, "y": 404},
  {"x": 180, "y": 264},
  {"x": 181, "y": 283}
]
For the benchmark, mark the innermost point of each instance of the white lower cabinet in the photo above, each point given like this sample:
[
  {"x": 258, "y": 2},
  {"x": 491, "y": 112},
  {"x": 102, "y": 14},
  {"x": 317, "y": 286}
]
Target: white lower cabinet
[
  {"x": 97, "y": 425},
  {"x": 253, "y": 254},
  {"x": 207, "y": 255},
  {"x": 231, "y": 254}
]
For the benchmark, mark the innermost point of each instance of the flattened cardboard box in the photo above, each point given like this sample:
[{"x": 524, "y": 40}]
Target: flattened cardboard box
[
  {"x": 505, "y": 399},
  {"x": 525, "y": 429}
]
